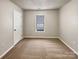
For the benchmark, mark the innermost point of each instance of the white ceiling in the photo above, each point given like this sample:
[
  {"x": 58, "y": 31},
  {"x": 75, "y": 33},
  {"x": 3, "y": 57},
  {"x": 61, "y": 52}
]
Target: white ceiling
[{"x": 40, "y": 4}]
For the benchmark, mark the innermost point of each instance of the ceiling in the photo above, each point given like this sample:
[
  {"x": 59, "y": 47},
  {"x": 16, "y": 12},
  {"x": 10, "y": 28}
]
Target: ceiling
[{"x": 40, "y": 4}]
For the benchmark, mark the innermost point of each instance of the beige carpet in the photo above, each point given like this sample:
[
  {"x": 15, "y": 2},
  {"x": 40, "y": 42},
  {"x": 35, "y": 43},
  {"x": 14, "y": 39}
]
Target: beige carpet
[{"x": 40, "y": 49}]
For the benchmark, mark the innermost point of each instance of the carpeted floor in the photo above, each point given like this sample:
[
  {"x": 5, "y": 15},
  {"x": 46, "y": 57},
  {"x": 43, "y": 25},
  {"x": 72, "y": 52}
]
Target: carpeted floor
[{"x": 40, "y": 49}]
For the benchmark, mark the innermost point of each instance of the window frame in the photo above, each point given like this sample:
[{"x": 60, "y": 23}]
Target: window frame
[{"x": 36, "y": 23}]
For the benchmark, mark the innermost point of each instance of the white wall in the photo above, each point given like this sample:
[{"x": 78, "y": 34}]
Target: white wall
[
  {"x": 50, "y": 23},
  {"x": 6, "y": 25},
  {"x": 68, "y": 24}
]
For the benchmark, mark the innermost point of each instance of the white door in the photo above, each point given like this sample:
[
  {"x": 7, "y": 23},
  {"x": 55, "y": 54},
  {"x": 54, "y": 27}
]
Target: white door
[{"x": 17, "y": 26}]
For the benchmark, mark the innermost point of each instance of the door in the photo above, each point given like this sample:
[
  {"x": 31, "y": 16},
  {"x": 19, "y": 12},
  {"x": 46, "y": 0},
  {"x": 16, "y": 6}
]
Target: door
[{"x": 17, "y": 26}]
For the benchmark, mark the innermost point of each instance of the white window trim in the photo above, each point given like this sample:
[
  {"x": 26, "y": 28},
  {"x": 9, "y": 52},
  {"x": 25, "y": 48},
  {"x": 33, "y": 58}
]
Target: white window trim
[{"x": 36, "y": 24}]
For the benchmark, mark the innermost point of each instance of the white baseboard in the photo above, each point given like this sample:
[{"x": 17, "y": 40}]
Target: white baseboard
[
  {"x": 18, "y": 41},
  {"x": 7, "y": 50},
  {"x": 61, "y": 39},
  {"x": 40, "y": 36}
]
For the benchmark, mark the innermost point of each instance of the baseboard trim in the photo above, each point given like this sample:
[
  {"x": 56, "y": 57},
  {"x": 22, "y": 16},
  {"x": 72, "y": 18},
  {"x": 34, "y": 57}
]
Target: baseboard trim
[
  {"x": 8, "y": 50},
  {"x": 40, "y": 36},
  {"x": 61, "y": 39}
]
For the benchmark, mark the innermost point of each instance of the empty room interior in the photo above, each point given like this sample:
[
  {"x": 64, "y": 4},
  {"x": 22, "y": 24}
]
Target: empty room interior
[{"x": 38, "y": 29}]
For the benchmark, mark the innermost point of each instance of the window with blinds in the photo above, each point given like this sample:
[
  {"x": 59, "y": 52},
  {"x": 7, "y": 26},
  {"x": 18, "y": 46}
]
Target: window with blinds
[{"x": 40, "y": 22}]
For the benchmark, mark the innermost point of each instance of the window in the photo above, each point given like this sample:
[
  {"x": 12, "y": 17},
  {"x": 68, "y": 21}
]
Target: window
[{"x": 40, "y": 23}]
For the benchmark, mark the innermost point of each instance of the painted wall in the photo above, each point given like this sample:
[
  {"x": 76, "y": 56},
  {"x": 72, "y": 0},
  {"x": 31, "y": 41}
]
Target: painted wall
[
  {"x": 6, "y": 25},
  {"x": 50, "y": 23},
  {"x": 68, "y": 24}
]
